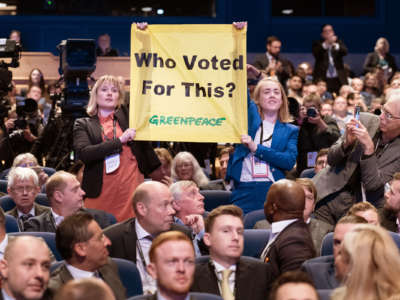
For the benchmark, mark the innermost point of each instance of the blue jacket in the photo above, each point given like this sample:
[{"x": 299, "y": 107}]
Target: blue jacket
[{"x": 282, "y": 154}]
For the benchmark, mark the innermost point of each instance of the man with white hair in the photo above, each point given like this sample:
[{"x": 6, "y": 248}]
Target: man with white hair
[
  {"x": 361, "y": 162},
  {"x": 23, "y": 187}
]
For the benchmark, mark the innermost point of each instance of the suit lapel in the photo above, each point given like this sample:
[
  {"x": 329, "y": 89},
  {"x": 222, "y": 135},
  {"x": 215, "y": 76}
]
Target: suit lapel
[
  {"x": 129, "y": 240},
  {"x": 208, "y": 280},
  {"x": 65, "y": 275},
  {"x": 242, "y": 284}
]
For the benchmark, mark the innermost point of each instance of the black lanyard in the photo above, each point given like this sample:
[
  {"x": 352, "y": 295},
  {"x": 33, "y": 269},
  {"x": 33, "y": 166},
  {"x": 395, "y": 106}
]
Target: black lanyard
[
  {"x": 262, "y": 133},
  {"x": 114, "y": 130},
  {"x": 141, "y": 254}
]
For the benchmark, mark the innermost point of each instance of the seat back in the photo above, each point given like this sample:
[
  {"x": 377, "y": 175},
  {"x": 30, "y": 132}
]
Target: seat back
[
  {"x": 49, "y": 238},
  {"x": 250, "y": 219},
  {"x": 254, "y": 241},
  {"x": 11, "y": 224},
  {"x": 215, "y": 198},
  {"x": 7, "y": 203},
  {"x": 197, "y": 296},
  {"x": 3, "y": 186}
]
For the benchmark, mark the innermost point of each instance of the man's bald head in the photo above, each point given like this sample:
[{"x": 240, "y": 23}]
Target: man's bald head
[
  {"x": 145, "y": 191},
  {"x": 285, "y": 200}
]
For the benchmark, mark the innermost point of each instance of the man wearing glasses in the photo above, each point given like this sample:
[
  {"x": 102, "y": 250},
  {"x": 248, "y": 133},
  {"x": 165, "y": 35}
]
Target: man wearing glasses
[
  {"x": 361, "y": 162},
  {"x": 23, "y": 187}
]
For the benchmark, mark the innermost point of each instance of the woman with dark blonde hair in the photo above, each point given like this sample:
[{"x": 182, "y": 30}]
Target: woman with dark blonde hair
[
  {"x": 369, "y": 261},
  {"x": 115, "y": 164},
  {"x": 267, "y": 151}
]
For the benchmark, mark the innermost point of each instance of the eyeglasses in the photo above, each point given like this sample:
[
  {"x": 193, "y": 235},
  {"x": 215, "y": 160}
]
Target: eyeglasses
[
  {"x": 22, "y": 189},
  {"x": 26, "y": 165},
  {"x": 388, "y": 115}
]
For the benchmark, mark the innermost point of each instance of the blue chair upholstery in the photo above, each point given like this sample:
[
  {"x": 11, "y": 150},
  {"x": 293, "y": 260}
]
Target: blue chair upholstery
[
  {"x": 7, "y": 203},
  {"x": 49, "y": 238},
  {"x": 327, "y": 242},
  {"x": 128, "y": 273},
  {"x": 251, "y": 218},
  {"x": 215, "y": 198},
  {"x": 307, "y": 173},
  {"x": 3, "y": 186},
  {"x": 254, "y": 241},
  {"x": 11, "y": 224},
  {"x": 324, "y": 294},
  {"x": 130, "y": 277},
  {"x": 47, "y": 170},
  {"x": 112, "y": 218},
  {"x": 198, "y": 296}
]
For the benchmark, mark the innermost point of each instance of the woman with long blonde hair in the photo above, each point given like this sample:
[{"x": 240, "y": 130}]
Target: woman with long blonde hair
[{"x": 370, "y": 262}]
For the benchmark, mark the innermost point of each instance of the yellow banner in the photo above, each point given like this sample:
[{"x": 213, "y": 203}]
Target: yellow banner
[{"x": 188, "y": 83}]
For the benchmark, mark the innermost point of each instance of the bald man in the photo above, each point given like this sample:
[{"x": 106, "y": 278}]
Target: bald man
[
  {"x": 132, "y": 239},
  {"x": 290, "y": 243},
  {"x": 85, "y": 289}
]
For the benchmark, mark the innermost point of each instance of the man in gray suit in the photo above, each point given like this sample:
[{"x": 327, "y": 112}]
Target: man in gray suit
[
  {"x": 361, "y": 162},
  {"x": 83, "y": 245},
  {"x": 23, "y": 187},
  {"x": 322, "y": 270}
]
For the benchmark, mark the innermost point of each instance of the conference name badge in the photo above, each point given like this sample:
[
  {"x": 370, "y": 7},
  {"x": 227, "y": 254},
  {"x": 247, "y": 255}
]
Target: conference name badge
[
  {"x": 112, "y": 163},
  {"x": 259, "y": 168}
]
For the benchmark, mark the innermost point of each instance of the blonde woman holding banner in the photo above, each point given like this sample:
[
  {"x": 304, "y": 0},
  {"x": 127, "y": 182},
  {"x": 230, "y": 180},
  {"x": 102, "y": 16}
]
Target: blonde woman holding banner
[{"x": 268, "y": 150}]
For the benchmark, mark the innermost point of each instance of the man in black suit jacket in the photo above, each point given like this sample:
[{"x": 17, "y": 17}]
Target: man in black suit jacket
[
  {"x": 273, "y": 63},
  {"x": 328, "y": 53},
  {"x": 131, "y": 239},
  {"x": 322, "y": 269},
  {"x": 224, "y": 237},
  {"x": 66, "y": 198},
  {"x": 83, "y": 246},
  {"x": 23, "y": 187},
  {"x": 290, "y": 241}
]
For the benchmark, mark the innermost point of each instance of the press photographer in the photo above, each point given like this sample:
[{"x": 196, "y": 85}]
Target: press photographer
[{"x": 316, "y": 132}]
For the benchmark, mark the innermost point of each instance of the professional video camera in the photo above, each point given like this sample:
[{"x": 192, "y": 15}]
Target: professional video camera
[{"x": 77, "y": 62}]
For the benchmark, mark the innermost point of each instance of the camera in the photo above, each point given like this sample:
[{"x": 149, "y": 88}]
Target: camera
[
  {"x": 25, "y": 108},
  {"x": 311, "y": 112}
]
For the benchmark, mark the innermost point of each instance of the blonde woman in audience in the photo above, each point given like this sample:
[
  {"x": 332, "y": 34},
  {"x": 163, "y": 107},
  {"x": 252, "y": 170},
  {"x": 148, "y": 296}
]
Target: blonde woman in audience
[
  {"x": 186, "y": 167},
  {"x": 370, "y": 262},
  {"x": 166, "y": 160}
]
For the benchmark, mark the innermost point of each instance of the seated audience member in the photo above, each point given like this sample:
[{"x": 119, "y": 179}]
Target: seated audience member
[
  {"x": 104, "y": 46},
  {"x": 66, "y": 198},
  {"x": 341, "y": 114},
  {"x": 290, "y": 242},
  {"x": 222, "y": 184},
  {"x": 323, "y": 91},
  {"x": 327, "y": 108},
  {"x": 83, "y": 246},
  {"x": 172, "y": 264},
  {"x": 317, "y": 228},
  {"x": 226, "y": 273},
  {"x": 370, "y": 262},
  {"x": 353, "y": 100},
  {"x": 166, "y": 159},
  {"x": 325, "y": 275},
  {"x": 3, "y": 233},
  {"x": 365, "y": 210},
  {"x": 345, "y": 90},
  {"x": 188, "y": 204},
  {"x": 131, "y": 239},
  {"x": 28, "y": 160},
  {"x": 293, "y": 285},
  {"x": 295, "y": 85},
  {"x": 305, "y": 70},
  {"x": 309, "y": 89},
  {"x": 186, "y": 167},
  {"x": 371, "y": 85},
  {"x": 367, "y": 155},
  {"x": 15, "y": 35},
  {"x": 390, "y": 213},
  {"x": 322, "y": 160},
  {"x": 23, "y": 187},
  {"x": 376, "y": 106},
  {"x": 25, "y": 269},
  {"x": 85, "y": 289},
  {"x": 358, "y": 87},
  {"x": 316, "y": 132}
]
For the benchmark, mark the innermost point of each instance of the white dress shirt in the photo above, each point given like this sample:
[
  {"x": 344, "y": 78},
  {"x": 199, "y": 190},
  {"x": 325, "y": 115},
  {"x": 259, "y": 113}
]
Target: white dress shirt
[{"x": 218, "y": 272}]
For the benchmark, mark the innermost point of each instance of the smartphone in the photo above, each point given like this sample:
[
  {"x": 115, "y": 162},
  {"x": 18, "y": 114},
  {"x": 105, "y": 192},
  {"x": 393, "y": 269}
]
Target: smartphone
[{"x": 357, "y": 110}]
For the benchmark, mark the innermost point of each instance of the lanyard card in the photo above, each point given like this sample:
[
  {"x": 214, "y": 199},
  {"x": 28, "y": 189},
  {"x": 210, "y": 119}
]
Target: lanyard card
[
  {"x": 259, "y": 168},
  {"x": 112, "y": 163}
]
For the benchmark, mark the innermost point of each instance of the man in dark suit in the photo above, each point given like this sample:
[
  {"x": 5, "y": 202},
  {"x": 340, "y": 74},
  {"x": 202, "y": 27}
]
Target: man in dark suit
[
  {"x": 172, "y": 263},
  {"x": 66, "y": 198},
  {"x": 131, "y": 239},
  {"x": 322, "y": 269},
  {"x": 87, "y": 288},
  {"x": 226, "y": 273},
  {"x": 328, "y": 53},
  {"x": 273, "y": 63},
  {"x": 290, "y": 242},
  {"x": 83, "y": 246},
  {"x": 25, "y": 269},
  {"x": 361, "y": 162},
  {"x": 23, "y": 187}
]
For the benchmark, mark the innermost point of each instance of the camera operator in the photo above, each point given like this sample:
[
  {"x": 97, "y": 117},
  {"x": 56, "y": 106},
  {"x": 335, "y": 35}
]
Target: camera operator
[{"x": 316, "y": 132}]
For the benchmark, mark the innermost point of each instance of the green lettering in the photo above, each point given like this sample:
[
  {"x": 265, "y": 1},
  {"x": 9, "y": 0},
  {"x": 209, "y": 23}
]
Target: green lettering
[
  {"x": 169, "y": 120},
  {"x": 212, "y": 122},
  {"x": 198, "y": 121},
  {"x": 154, "y": 120},
  {"x": 162, "y": 120},
  {"x": 176, "y": 120},
  {"x": 219, "y": 121}
]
